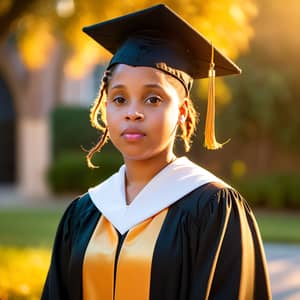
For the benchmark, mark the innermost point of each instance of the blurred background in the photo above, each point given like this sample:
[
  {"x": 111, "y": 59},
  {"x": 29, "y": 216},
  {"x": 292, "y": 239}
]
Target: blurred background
[{"x": 50, "y": 73}]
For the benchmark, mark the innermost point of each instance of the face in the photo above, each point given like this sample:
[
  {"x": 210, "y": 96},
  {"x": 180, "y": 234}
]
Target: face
[{"x": 142, "y": 112}]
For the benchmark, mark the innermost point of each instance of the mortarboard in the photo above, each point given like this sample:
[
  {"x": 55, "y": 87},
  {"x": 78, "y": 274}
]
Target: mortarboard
[{"x": 158, "y": 37}]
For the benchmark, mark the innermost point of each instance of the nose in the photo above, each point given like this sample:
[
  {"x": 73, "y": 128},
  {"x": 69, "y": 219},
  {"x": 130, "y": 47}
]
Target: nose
[{"x": 134, "y": 116}]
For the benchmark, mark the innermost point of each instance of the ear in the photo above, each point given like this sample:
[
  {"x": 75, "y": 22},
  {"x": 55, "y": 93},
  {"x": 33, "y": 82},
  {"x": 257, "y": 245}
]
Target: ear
[{"x": 183, "y": 109}]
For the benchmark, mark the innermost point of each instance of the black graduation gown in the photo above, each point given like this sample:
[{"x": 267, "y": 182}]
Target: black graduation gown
[{"x": 199, "y": 253}]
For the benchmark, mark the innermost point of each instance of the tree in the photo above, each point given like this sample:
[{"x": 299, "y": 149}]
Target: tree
[
  {"x": 264, "y": 115},
  {"x": 270, "y": 96},
  {"x": 10, "y": 12},
  {"x": 42, "y": 24},
  {"x": 46, "y": 41}
]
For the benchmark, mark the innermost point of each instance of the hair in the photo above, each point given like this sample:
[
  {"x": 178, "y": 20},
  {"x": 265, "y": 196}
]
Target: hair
[
  {"x": 188, "y": 127},
  {"x": 98, "y": 119},
  {"x": 95, "y": 112}
]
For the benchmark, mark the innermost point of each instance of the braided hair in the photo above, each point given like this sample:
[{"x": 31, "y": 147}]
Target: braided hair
[
  {"x": 98, "y": 121},
  {"x": 94, "y": 114}
]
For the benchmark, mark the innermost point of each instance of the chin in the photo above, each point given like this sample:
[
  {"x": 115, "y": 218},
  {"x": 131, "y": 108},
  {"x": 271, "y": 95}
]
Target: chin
[
  {"x": 137, "y": 157},
  {"x": 135, "y": 152},
  {"x": 143, "y": 156},
  {"x": 143, "y": 152}
]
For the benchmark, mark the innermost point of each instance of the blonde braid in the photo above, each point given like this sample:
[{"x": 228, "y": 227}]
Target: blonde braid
[
  {"x": 96, "y": 107},
  {"x": 94, "y": 113},
  {"x": 188, "y": 127}
]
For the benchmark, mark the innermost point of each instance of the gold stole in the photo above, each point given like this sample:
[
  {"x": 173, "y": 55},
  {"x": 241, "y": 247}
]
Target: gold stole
[{"x": 134, "y": 263}]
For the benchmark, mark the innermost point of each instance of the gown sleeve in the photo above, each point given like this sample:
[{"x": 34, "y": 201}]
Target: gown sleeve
[
  {"x": 228, "y": 250},
  {"x": 57, "y": 278}
]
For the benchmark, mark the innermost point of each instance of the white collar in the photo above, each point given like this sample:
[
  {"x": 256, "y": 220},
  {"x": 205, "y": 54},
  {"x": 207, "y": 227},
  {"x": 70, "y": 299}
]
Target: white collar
[{"x": 172, "y": 183}]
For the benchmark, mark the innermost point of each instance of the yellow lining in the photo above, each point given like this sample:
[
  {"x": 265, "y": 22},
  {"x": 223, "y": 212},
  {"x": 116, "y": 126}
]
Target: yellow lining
[
  {"x": 98, "y": 265},
  {"x": 134, "y": 264}
]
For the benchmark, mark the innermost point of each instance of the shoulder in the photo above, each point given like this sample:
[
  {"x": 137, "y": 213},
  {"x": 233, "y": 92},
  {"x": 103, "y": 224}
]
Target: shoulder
[
  {"x": 79, "y": 208},
  {"x": 210, "y": 199},
  {"x": 78, "y": 204},
  {"x": 206, "y": 194}
]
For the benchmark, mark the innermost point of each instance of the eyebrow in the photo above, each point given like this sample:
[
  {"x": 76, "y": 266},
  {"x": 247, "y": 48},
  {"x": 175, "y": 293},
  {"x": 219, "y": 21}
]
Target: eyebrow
[
  {"x": 118, "y": 86},
  {"x": 149, "y": 85},
  {"x": 153, "y": 85}
]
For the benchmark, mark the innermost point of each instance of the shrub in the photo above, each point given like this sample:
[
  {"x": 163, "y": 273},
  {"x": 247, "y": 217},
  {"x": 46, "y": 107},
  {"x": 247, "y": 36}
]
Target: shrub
[
  {"x": 272, "y": 191},
  {"x": 71, "y": 129},
  {"x": 69, "y": 172},
  {"x": 22, "y": 272}
]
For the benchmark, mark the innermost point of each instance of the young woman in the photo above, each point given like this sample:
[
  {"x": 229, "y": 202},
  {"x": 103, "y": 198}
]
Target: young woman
[{"x": 162, "y": 228}]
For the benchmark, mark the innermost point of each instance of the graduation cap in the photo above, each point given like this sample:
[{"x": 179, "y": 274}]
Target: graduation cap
[{"x": 158, "y": 37}]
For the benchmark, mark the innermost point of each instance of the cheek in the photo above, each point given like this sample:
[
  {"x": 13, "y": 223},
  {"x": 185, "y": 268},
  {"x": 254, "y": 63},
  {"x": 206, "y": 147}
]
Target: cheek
[
  {"x": 172, "y": 114},
  {"x": 167, "y": 120},
  {"x": 108, "y": 115},
  {"x": 111, "y": 123},
  {"x": 111, "y": 115}
]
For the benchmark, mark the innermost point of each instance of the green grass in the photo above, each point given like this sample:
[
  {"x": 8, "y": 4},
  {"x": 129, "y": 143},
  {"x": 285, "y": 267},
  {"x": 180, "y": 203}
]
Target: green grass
[
  {"x": 281, "y": 227},
  {"x": 35, "y": 227},
  {"x": 29, "y": 227}
]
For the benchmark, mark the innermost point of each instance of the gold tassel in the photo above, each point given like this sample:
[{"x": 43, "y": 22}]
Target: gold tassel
[{"x": 209, "y": 134}]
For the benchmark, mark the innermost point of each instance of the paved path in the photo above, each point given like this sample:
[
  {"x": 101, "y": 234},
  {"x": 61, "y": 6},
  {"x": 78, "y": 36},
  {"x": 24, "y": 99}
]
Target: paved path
[{"x": 284, "y": 268}]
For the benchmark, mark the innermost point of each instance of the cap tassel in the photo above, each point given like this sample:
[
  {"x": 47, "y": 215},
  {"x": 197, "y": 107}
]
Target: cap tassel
[{"x": 210, "y": 138}]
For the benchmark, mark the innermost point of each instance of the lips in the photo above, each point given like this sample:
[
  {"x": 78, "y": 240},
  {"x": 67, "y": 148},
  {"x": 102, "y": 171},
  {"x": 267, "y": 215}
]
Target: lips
[{"x": 132, "y": 134}]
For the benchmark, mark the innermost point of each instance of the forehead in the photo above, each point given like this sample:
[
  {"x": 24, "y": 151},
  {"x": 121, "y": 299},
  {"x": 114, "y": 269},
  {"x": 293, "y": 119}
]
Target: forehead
[{"x": 126, "y": 72}]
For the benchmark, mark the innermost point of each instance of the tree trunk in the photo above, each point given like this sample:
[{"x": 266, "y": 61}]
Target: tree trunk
[{"x": 35, "y": 92}]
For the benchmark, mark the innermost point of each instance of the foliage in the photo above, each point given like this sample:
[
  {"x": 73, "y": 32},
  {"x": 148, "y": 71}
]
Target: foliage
[
  {"x": 266, "y": 97},
  {"x": 279, "y": 227},
  {"x": 71, "y": 129},
  {"x": 51, "y": 22},
  {"x": 264, "y": 107},
  {"x": 26, "y": 236},
  {"x": 10, "y": 11},
  {"x": 69, "y": 172},
  {"x": 22, "y": 272},
  {"x": 275, "y": 191}
]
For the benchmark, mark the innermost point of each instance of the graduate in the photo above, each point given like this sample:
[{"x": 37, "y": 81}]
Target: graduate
[{"x": 162, "y": 227}]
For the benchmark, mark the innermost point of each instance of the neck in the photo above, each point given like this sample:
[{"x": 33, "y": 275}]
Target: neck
[{"x": 140, "y": 172}]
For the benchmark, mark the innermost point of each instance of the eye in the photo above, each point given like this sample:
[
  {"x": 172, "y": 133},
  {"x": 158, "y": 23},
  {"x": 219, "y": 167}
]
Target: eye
[
  {"x": 119, "y": 100},
  {"x": 153, "y": 100}
]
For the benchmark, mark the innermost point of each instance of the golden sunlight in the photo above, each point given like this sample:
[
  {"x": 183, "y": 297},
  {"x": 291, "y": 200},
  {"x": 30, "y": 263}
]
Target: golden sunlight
[
  {"x": 22, "y": 272},
  {"x": 36, "y": 45},
  {"x": 65, "y": 8},
  {"x": 223, "y": 94},
  {"x": 4, "y": 6},
  {"x": 215, "y": 19}
]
